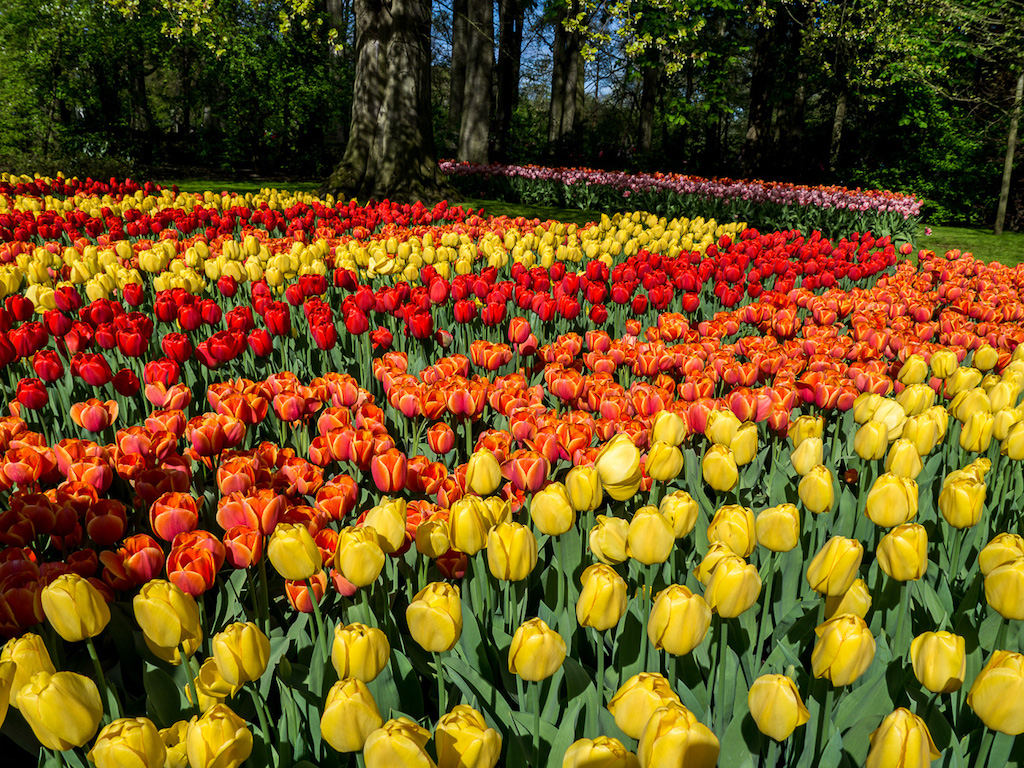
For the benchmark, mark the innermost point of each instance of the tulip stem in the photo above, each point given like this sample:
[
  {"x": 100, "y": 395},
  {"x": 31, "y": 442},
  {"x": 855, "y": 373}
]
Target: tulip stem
[
  {"x": 824, "y": 719},
  {"x": 762, "y": 631},
  {"x": 442, "y": 698},
  {"x": 108, "y": 696},
  {"x": 723, "y": 642},
  {"x": 954, "y": 560},
  {"x": 261, "y": 712},
  {"x": 904, "y": 599},
  {"x": 593, "y": 718},
  {"x": 319, "y": 618},
  {"x": 264, "y": 594},
  {"x": 191, "y": 679}
]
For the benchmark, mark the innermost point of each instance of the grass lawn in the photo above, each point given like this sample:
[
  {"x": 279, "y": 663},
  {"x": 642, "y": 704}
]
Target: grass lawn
[{"x": 1007, "y": 249}]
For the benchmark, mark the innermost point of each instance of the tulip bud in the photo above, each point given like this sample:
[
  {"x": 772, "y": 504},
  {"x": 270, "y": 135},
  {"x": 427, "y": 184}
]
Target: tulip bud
[
  {"x": 398, "y": 742},
  {"x": 388, "y": 519},
  {"x": 916, "y": 399},
  {"x": 865, "y": 405},
  {"x": 602, "y": 601},
  {"x": 734, "y": 587},
  {"x": 674, "y": 737},
  {"x": 968, "y": 402},
  {"x": 608, "y": 539},
  {"x": 1004, "y": 548},
  {"x": 552, "y": 511},
  {"x": 976, "y": 433},
  {"x": 350, "y": 715},
  {"x": 807, "y": 455},
  {"x": 805, "y": 426},
  {"x": 432, "y": 538},
  {"x": 734, "y": 526},
  {"x": 618, "y": 464},
  {"x": 537, "y": 651},
  {"x": 293, "y": 552},
  {"x": 74, "y": 607},
  {"x": 435, "y": 617},
  {"x": 891, "y": 413},
  {"x": 891, "y": 501},
  {"x": 913, "y": 371},
  {"x": 902, "y": 739},
  {"x": 242, "y": 652},
  {"x": 483, "y": 475},
  {"x": 903, "y": 459},
  {"x": 679, "y": 620},
  {"x": 778, "y": 528},
  {"x": 664, "y": 462},
  {"x": 871, "y": 440},
  {"x": 602, "y": 752},
  {"x": 129, "y": 743},
  {"x": 359, "y": 556},
  {"x": 903, "y": 552},
  {"x": 721, "y": 427},
  {"x": 744, "y": 444},
  {"x": 962, "y": 502},
  {"x": 29, "y": 656},
  {"x": 939, "y": 660},
  {"x": 650, "y": 537},
  {"x": 815, "y": 490},
  {"x": 962, "y": 379},
  {"x": 464, "y": 740},
  {"x": 844, "y": 650},
  {"x": 855, "y": 600},
  {"x": 668, "y": 427},
  {"x": 167, "y": 616},
  {"x": 924, "y": 432},
  {"x": 637, "y": 699},
  {"x": 511, "y": 551},
  {"x": 211, "y": 687},
  {"x": 468, "y": 523},
  {"x": 359, "y": 651},
  {"x": 833, "y": 569},
  {"x": 997, "y": 693},
  {"x": 776, "y": 706},
  {"x": 719, "y": 468},
  {"x": 717, "y": 552},
  {"x": 1003, "y": 421},
  {"x": 63, "y": 709},
  {"x": 583, "y": 485},
  {"x": 1004, "y": 589},
  {"x": 681, "y": 512},
  {"x": 943, "y": 362}
]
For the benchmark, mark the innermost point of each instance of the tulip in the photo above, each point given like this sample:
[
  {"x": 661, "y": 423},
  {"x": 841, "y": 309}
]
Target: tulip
[
  {"x": 63, "y": 709},
  {"x": 924, "y": 431},
  {"x": 435, "y": 617},
  {"x": 359, "y": 651},
  {"x": 483, "y": 475},
  {"x": 536, "y": 652},
  {"x": 398, "y": 742},
  {"x": 844, "y": 650},
  {"x": 167, "y": 616},
  {"x": 943, "y": 362},
  {"x": 855, "y": 600},
  {"x": 218, "y": 739},
  {"x": 1013, "y": 446},
  {"x": 913, "y": 371},
  {"x": 976, "y": 433},
  {"x": 20, "y": 659},
  {"x": 832, "y": 571},
  {"x": 939, "y": 660},
  {"x": 734, "y": 526},
  {"x": 664, "y": 462},
  {"x": 432, "y": 538},
  {"x": 129, "y": 743},
  {"x": 388, "y": 519},
  {"x": 803, "y": 427},
  {"x": 681, "y": 511},
  {"x": 962, "y": 379},
  {"x": 350, "y": 715},
  {"x": 1004, "y": 589},
  {"x": 359, "y": 556},
  {"x": 778, "y": 528},
  {"x": 174, "y": 739},
  {"x": 293, "y": 552},
  {"x": 637, "y": 699},
  {"x": 464, "y": 740},
  {"x": 1003, "y": 549},
  {"x": 776, "y": 706},
  {"x": 211, "y": 687},
  {"x": 674, "y": 737},
  {"x": 719, "y": 468},
  {"x": 717, "y": 552},
  {"x": 679, "y": 620},
  {"x": 891, "y": 501},
  {"x": 890, "y": 413},
  {"x": 468, "y": 524},
  {"x": 551, "y": 510},
  {"x": 721, "y": 427},
  {"x": 807, "y": 455},
  {"x": 511, "y": 551},
  {"x": 242, "y": 652},
  {"x": 901, "y": 740},
  {"x": 600, "y": 752},
  {"x": 608, "y": 539},
  {"x": 985, "y": 358},
  {"x": 815, "y": 490},
  {"x": 668, "y": 427},
  {"x": 871, "y": 440},
  {"x": 903, "y": 552},
  {"x": 916, "y": 399},
  {"x": 997, "y": 693},
  {"x": 903, "y": 459},
  {"x": 583, "y": 485},
  {"x": 602, "y": 601},
  {"x": 962, "y": 501},
  {"x": 734, "y": 587},
  {"x": 650, "y": 537},
  {"x": 618, "y": 464},
  {"x": 74, "y": 607},
  {"x": 969, "y": 401}
]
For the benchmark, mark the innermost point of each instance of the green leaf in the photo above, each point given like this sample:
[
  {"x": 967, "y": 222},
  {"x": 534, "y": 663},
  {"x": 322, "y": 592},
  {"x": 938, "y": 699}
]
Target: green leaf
[
  {"x": 164, "y": 700},
  {"x": 565, "y": 736}
]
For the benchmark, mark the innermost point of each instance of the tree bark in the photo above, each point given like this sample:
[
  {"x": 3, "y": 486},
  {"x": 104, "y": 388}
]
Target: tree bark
[
  {"x": 511, "y": 14},
  {"x": 390, "y": 151},
  {"x": 460, "y": 59},
  {"x": 476, "y": 103},
  {"x": 566, "y": 79},
  {"x": 648, "y": 96},
  {"x": 837, "y": 129},
  {"x": 755, "y": 145},
  {"x": 1011, "y": 146}
]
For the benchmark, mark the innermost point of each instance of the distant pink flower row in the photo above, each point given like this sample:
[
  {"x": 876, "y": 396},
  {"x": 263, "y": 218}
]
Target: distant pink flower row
[{"x": 723, "y": 189}]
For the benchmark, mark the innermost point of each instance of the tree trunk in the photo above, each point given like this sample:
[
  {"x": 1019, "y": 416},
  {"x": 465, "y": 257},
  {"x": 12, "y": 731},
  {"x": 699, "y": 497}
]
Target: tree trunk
[
  {"x": 755, "y": 145},
  {"x": 390, "y": 151},
  {"x": 837, "y": 129},
  {"x": 460, "y": 59},
  {"x": 1011, "y": 146},
  {"x": 566, "y": 79},
  {"x": 476, "y": 103},
  {"x": 511, "y": 14},
  {"x": 648, "y": 95},
  {"x": 559, "y": 69}
]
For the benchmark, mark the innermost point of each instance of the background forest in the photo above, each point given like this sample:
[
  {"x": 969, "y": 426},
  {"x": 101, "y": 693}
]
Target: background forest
[{"x": 910, "y": 95}]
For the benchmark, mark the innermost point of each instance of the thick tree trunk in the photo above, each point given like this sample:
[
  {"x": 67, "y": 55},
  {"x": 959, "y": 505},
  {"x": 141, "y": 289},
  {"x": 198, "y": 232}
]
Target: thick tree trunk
[
  {"x": 566, "y": 80},
  {"x": 390, "y": 151},
  {"x": 648, "y": 96},
  {"x": 755, "y": 145},
  {"x": 460, "y": 59},
  {"x": 511, "y": 14},
  {"x": 476, "y": 103},
  {"x": 838, "y": 121},
  {"x": 1011, "y": 146}
]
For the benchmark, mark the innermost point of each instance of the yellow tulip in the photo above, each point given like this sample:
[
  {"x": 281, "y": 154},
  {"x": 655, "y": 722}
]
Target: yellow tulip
[
  {"x": 1002, "y": 549},
  {"x": 962, "y": 502},
  {"x": 833, "y": 570},
  {"x": 679, "y": 620},
  {"x": 744, "y": 444},
  {"x": 674, "y": 737},
  {"x": 903, "y": 459},
  {"x": 29, "y": 656},
  {"x": 293, "y": 552},
  {"x": 242, "y": 652},
  {"x": 552, "y": 511},
  {"x": 602, "y": 600},
  {"x": 734, "y": 587},
  {"x": 464, "y": 740},
  {"x": 902, "y": 740},
  {"x": 805, "y": 426},
  {"x": 719, "y": 468},
  {"x": 129, "y": 743},
  {"x": 844, "y": 650},
  {"x": 637, "y": 699},
  {"x": 650, "y": 537},
  {"x": 807, "y": 455},
  {"x": 483, "y": 475},
  {"x": 536, "y": 652},
  {"x": 583, "y": 485},
  {"x": 939, "y": 660},
  {"x": 1004, "y": 589},
  {"x": 855, "y": 600},
  {"x": 388, "y": 519},
  {"x": 903, "y": 552},
  {"x": 997, "y": 694},
  {"x": 167, "y": 616},
  {"x": 398, "y": 742},
  {"x": 717, "y": 552},
  {"x": 359, "y": 556},
  {"x": 681, "y": 511},
  {"x": 891, "y": 501},
  {"x": 359, "y": 651},
  {"x": 871, "y": 440},
  {"x": 913, "y": 371},
  {"x": 776, "y": 706},
  {"x": 435, "y": 617},
  {"x": 815, "y": 490},
  {"x": 618, "y": 464},
  {"x": 350, "y": 715},
  {"x": 976, "y": 433},
  {"x": 734, "y": 526},
  {"x": 668, "y": 427},
  {"x": 778, "y": 528},
  {"x": 664, "y": 462},
  {"x": 468, "y": 524},
  {"x": 511, "y": 551},
  {"x": 599, "y": 752},
  {"x": 63, "y": 709}
]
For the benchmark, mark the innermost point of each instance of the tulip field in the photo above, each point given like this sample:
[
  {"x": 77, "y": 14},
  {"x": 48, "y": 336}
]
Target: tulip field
[{"x": 290, "y": 482}]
